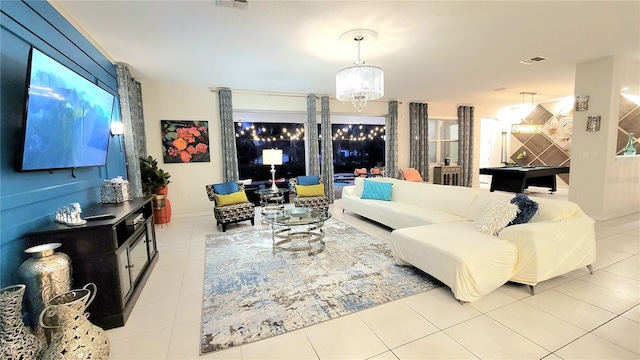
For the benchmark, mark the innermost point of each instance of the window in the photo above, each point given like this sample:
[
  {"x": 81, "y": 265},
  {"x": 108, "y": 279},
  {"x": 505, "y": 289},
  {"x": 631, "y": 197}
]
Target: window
[
  {"x": 253, "y": 137},
  {"x": 443, "y": 140},
  {"x": 357, "y": 142},
  {"x": 356, "y": 146}
]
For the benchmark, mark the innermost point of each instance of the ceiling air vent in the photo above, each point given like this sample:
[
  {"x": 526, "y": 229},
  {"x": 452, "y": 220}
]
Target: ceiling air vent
[
  {"x": 533, "y": 60},
  {"x": 239, "y": 4}
]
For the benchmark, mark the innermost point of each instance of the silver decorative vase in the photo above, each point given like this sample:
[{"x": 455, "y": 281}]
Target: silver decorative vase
[
  {"x": 74, "y": 337},
  {"x": 630, "y": 148},
  {"x": 16, "y": 339},
  {"x": 46, "y": 274}
]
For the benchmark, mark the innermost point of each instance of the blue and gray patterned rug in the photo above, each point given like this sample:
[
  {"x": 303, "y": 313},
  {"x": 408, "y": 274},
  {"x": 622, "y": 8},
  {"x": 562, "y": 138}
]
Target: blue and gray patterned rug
[{"x": 252, "y": 293}]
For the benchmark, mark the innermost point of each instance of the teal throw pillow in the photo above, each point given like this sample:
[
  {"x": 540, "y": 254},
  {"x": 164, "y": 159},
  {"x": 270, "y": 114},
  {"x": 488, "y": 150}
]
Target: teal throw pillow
[
  {"x": 376, "y": 190},
  {"x": 225, "y": 188},
  {"x": 309, "y": 180}
]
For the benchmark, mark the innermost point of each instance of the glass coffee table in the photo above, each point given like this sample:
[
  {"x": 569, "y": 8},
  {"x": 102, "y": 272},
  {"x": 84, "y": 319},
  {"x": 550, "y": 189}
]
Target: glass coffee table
[{"x": 298, "y": 229}]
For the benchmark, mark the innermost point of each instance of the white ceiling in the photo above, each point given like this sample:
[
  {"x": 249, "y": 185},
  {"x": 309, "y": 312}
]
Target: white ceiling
[{"x": 435, "y": 51}]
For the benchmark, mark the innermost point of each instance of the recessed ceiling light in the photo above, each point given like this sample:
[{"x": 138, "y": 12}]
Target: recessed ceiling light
[{"x": 533, "y": 60}]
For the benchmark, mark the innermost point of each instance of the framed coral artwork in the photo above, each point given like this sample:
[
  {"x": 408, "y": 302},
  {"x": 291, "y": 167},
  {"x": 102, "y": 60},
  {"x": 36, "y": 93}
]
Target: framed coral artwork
[{"x": 185, "y": 141}]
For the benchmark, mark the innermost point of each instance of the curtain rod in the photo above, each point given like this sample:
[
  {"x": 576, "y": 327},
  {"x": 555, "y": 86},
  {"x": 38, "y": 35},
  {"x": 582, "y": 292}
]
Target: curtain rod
[{"x": 281, "y": 94}]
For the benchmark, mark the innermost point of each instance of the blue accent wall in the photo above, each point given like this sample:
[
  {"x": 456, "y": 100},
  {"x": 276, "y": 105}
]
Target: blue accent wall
[{"x": 30, "y": 199}]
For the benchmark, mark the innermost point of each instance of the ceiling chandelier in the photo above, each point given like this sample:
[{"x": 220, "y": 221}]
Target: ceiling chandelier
[
  {"x": 359, "y": 83},
  {"x": 523, "y": 126}
]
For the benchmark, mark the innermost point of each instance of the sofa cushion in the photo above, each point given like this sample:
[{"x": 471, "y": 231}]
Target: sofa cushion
[
  {"x": 309, "y": 180},
  {"x": 471, "y": 263},
  {"x": 225, "y": 188},
  {"x": 230, "y": 199},
  {"x": 496, "y": 216},
  {"x": 310, "y": 190},
  {"x": 376, "y": 190},
  {"x": 526, "y": 209}
]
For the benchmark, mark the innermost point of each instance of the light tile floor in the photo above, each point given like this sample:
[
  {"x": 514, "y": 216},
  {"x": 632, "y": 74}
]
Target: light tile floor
[{"x": 574, "y": 316}]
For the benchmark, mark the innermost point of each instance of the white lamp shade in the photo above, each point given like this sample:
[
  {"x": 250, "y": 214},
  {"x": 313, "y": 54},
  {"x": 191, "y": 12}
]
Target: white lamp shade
[
  {"x": 272, "y": 157},
  {"x": 360, "y": 82}
]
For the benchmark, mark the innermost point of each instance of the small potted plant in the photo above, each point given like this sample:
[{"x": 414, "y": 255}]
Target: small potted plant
[{"x": 154, "y": 179}]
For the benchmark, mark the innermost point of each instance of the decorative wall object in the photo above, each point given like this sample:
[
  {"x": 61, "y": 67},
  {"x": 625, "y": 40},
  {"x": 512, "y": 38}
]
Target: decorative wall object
[
  {"x": 593, "y": 123},
  {"x": 185, "y": 141},
  {"x": 552, "y": 146},
  {"x": 582, "y": 103}
]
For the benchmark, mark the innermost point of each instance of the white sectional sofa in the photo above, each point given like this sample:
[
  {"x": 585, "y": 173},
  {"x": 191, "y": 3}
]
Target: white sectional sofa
[{"x": 434, "y": 231}]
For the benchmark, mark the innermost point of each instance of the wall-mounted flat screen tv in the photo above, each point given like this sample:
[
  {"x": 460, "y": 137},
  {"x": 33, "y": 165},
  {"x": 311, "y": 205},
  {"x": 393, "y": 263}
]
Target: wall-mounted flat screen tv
[{"x": 67, "y": 119}]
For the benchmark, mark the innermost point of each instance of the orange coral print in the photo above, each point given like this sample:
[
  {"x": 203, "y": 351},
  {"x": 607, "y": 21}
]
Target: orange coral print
[{"x": 185, "y": 141}]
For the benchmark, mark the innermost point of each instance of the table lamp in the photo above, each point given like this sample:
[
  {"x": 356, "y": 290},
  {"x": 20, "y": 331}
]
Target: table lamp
[{"x": 272, "y": 157}]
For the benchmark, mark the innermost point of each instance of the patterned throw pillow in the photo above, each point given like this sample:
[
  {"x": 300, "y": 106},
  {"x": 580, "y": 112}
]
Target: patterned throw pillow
[
  {"x": 376, "y": 190},
  {"x": 225, "y": 188},
  {"x": 411, "y": 174},
  {"x": 496, "y": 216},
  {"x": 310, "y": 190},
  {"x": 309, "y": 180},
  {"x": 359, "y": 183},
  {"x": 230, "y": 199},
  {"x": 527, "y": 209}
]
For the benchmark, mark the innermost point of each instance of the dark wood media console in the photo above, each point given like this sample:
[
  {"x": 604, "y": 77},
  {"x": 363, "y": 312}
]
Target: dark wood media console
[{"x": 115, "y": 256}]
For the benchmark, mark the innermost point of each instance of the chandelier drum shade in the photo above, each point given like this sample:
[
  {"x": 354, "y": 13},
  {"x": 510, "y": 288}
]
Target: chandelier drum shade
[{"x": 359, "y": 83}]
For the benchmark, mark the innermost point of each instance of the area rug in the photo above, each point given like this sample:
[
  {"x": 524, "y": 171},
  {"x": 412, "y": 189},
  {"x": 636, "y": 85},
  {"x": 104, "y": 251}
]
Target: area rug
[{"x": 252, "y": 292}]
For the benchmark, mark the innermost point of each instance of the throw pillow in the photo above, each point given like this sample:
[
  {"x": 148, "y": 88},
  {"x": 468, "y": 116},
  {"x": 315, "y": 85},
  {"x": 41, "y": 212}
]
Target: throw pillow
[
  {"x": 309, "y": 180},
  {"x": 230, "y": 199},
  {"x": 527, "y": 208},
  {"x": 376, "y": 190},
  {"x": 496, "y": 216},
  {"x": 310, "y": 190},
  {"x": 225, "y": 188},
  {"x": 411, "y": 174},
  {"x": 359, "y": 183}
]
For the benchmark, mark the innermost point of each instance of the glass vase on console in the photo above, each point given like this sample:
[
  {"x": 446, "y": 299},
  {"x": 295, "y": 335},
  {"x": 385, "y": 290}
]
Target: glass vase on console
[{"x": 630, "y": 148}]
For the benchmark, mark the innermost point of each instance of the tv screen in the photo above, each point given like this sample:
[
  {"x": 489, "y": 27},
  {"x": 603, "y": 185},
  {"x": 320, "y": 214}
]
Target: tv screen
[{"x": 67, "y": 119}]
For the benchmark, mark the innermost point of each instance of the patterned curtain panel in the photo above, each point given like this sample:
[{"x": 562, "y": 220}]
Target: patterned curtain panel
[
  {"x": 465, "y": 145},
  {"x": 327, "y": 150},
  {"x": 419, "y": 135},
  {"x": 312, "y": 136},
  {"x": 391, "y": 141},
  {"x": 135, "y": 142},
  {"x": 228, "y": 135}
]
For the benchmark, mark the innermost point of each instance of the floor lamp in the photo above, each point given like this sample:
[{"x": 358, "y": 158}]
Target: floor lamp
[{"x": 272, "y": 157}]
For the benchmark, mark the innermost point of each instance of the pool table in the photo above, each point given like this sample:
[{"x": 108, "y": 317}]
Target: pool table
[{"x": 517, "y": 178}]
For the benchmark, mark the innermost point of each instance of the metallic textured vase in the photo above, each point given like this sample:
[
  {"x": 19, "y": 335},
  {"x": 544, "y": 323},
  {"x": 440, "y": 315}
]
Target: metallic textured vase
[
  {"x": 16, "y": 340},
  {"x": 74, "y": 337},
  {"x": 46, "y": 274}
]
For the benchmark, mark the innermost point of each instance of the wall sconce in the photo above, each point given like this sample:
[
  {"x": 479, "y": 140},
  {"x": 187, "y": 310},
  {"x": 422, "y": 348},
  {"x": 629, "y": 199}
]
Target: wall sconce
[
  {"x": 593, "y": 123},
  {"x": 582, "y": 103},
  {"x": 116, "y": 128}
]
